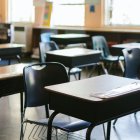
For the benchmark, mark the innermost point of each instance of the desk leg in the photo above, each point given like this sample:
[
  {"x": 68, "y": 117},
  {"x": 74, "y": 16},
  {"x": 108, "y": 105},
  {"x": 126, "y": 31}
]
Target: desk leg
[
  {"x": 49, "y": 132},
  {"x": 89, "y": 130},
  {"x": 69, "y": 73},
  {"x": 21, "y": 106},
  {"x": 108, "y": 130}
]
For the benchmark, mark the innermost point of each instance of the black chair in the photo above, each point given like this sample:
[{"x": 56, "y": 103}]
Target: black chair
[
  {"x": 100, "y": 43},
  {"x": 36, "y": 77},
  {"x": 50, "y": 46},
  {"x": 131, "y": 64}
]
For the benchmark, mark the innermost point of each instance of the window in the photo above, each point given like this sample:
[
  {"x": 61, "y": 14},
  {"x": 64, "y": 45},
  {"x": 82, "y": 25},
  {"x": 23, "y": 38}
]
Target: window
[
  {"x": 122, "y": 12},
  {"x": 20, "y": 11},
  {"x": 65, "y": 12},
  {"x": 68, "y": 12}
]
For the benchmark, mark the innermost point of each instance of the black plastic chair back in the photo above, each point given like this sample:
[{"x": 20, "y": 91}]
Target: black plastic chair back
[
  {"x": 100, "y": 43},
  {"x": 132, "y": 63},
  {"x": 45, "y": 47},
  {"x": 37, "y": 76}
]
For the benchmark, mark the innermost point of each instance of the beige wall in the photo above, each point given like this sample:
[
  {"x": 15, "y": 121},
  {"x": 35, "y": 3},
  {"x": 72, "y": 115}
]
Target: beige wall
[
  {"x": 3, "y": 10},
  {"x": 94, "y": 19},
  {"x": 39, "y": 10}
]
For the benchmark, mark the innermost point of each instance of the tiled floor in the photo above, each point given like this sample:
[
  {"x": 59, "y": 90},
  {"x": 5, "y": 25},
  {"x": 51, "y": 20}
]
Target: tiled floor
[{"x": 127, "y": 128}]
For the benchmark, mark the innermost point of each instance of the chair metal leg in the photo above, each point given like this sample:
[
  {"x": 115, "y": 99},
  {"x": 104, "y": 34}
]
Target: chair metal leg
[
  {"x": 79, "y": 75},
  {"x": 18, "y": 58},
  {"x": 110, "y": 66},
  {"x": 104, "y": 131},
  {"x": 121, "y": 65},
  {"x": 92, "y": 71},
  {"x": 75, "y": 76},
  {"x": 135, "y": 113},
  {"x": 115, "y": 122},
  {"x": 21, "y": 106},
  {"x": 108, "y": 130},
  {"x": 22, "y": 132},
  {"x": 47, "y": 111},
  {"x": 69, "y": 74},
  {"x": 98, "y": 66},
  {"x": 103, "y": 68},
  {"x": 89, "y": 130},
  {"x": 49, "y": 133},
  {"x": 9, "y": 61}
]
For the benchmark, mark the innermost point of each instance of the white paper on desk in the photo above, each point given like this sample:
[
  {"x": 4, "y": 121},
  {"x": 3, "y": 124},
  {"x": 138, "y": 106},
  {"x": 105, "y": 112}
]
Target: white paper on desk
[{"x": 118, "y": 91}]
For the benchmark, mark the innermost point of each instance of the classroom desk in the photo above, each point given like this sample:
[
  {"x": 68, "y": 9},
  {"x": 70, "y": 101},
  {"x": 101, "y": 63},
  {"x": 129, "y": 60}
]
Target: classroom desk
[
  {"x": 117, "y": 49},
  {"x": 85, "y": 99},
  {"x": 70, "y": 38},
  {"x": 74, "y": 57},
  {"x": 10, "y": 50},
  {"x": 11, "y": 81}
]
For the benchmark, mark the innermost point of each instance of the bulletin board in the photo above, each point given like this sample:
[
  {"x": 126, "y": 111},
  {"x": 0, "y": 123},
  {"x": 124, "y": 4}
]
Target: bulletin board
[{"x": 47, "y": 13}]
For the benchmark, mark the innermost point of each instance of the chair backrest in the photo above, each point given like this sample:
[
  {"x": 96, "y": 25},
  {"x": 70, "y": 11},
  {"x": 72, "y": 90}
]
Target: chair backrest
[
  {"x": 100, "y": 43},
  {"x": 45, "y": 37},
  {"x": 132, "y": 63},
  {"x": 44, "y": 47},
  {"x": 37, "y": 76}
]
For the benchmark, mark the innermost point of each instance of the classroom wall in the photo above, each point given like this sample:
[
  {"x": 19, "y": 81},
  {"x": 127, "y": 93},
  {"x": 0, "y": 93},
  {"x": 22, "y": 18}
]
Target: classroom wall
[
  {"x": 94, "y": 14},
  {"x": 3, "y": 10}
]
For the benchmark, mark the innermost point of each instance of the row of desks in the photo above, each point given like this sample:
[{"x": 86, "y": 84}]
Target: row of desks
[{"x": 80, "y": 98}]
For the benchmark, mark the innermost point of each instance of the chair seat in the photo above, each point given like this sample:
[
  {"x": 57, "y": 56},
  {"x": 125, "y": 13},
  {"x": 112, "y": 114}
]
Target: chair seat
[
  {"x": 121, "y": 58},
  {"x": 75, "y": 70},
  {"x": 113, "y": 58},
  {"x": 66, "y": 125}
]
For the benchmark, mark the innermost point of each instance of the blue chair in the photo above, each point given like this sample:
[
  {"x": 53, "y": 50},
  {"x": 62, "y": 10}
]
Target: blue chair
[
  {"x": 45, "y": 37},
  {"x": 132, "y": 63},
  {"x": 100, "y": 43}
]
